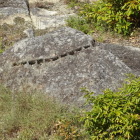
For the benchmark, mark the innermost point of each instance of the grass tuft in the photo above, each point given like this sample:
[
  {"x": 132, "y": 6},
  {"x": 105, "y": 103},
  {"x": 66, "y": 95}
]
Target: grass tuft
[{"x": 34, "y": 116}]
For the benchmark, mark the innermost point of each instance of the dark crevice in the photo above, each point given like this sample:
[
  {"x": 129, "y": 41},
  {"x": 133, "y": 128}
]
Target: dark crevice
[
  {"x": 63, "y": 55},
  {"x": 45, "y": 60},
  {"x": 78, "y": 49},
  {"x": 32, "y": 62},
  {"x": 28, "y": 6},
  {"x": 71, "y": 53},
  {"x": 39, "y": 61},
  {"x": 86, "y": 47},
  {"x": 14, "y": 64},
  {"x": 23, "y": 63}
]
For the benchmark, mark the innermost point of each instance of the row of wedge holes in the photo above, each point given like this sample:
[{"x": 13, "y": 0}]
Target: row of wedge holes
[{"x": 44, "y": 60}]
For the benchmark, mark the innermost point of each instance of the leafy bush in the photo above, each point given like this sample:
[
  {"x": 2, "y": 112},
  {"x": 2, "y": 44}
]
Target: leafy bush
[
  {"x": 122, "y": 16},
  {"x": 69, "y": 129},
  {"x": 114, "y": 115}
]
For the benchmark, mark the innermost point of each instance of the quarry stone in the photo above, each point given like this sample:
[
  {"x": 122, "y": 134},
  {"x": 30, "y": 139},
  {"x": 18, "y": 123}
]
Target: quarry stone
[{"x": 60, "y": 63}]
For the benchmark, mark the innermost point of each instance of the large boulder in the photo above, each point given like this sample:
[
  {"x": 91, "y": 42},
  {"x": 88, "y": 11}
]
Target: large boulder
[{"x": 59, "y": 64}]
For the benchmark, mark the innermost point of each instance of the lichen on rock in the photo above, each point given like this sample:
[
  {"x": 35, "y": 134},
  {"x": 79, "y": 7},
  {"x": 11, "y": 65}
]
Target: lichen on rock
[{"x": 75, "y": 61}]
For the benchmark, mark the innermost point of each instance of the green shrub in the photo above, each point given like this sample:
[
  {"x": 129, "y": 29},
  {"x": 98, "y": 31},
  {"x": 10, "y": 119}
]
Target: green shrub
[
  {"x": 114, "y": 115},
  {"x": 121, "y": 16},
  {"x": 79, "y": 23},
  {"x": 70, "y": 128}
]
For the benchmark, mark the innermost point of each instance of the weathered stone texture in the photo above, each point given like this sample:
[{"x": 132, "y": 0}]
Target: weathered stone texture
[
  {"x": 9, "y": 9},
  {"x": 50, "y": 18},
  {"x": 44, "y": 1},
  {"x": 13, "y": 3},
  {"x": 128, "y": 54},
  {"x": 47, "y": 46},
  {"x": 79, "y": 63},
  {"x": 46, "y": 19}
]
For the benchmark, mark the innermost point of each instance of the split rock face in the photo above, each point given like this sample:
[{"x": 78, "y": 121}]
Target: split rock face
[
  {"x": 60, "y": 63},
  {"x": 128, "y": 54}
]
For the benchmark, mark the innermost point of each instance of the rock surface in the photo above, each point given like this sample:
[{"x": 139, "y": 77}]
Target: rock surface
[
  {"x": 38, "y": 16},
  {"x": 127, "y": 54},
  {"x": 42, "y": 1},
  {"x": 24, "y": 19},
  {"x": 10, "y": 9},
  {"x": 60, "y": 63},
  {"x": 46, "y": 19},
  {"x": 52, "y": 17}
]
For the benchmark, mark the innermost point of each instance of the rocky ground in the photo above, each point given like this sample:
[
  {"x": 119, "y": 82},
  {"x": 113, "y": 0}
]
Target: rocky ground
[
  {"x": 62, "y": 61},
  {"x": 21, "y": 19},
  {"x": 65, "y": 60},
  {"x": 58, "y": 64},
  {"x": 40, "y": 17}
]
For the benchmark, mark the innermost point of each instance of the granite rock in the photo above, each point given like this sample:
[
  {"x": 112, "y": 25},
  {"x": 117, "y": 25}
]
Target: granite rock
[
  {"x": 10, "y": 9},
  {"x": 60, "y": 63},
  {"x": 127, "y": 54}
]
